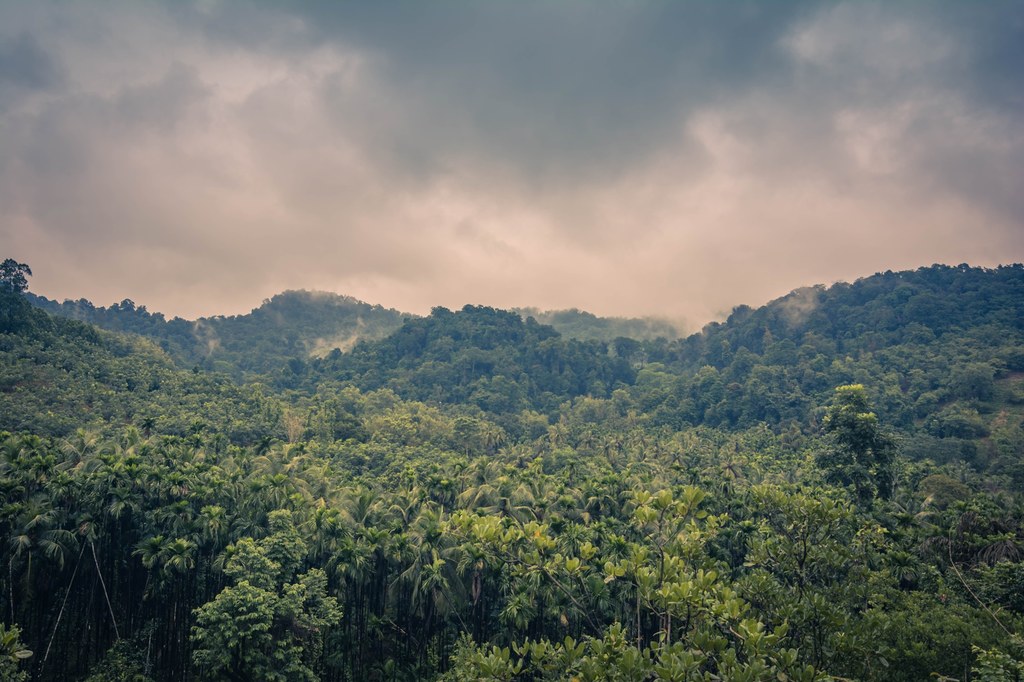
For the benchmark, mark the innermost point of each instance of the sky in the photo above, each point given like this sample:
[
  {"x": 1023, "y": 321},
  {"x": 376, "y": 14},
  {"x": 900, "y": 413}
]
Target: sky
[{"x": 622, "y": 157}]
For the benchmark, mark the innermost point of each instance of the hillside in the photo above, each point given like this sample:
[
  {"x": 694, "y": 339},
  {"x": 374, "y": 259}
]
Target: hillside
[
  {"x": 579, "y": 324},
  {"x": 305, "y": 325},
  {"x": 950, "y": 383},
  {"x": 481, "y": 356},
  {"x": 941, "y": 350},
  {"x": 476, "y": 496},
  {"x": 59, "y": 376},
  {"x": 291, "y": 325}
]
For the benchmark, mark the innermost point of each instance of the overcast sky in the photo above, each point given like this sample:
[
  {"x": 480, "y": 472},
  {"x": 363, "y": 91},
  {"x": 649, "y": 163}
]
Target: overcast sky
[{"x": 627, "y": 158}]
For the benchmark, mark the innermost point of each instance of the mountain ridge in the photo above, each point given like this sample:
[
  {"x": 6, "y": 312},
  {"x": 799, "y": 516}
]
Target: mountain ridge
[{"x": 307, "y": 324}]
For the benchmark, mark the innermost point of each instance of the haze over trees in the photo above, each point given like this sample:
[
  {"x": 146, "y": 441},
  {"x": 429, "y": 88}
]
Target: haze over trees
[{"x": 826, "y": 487}]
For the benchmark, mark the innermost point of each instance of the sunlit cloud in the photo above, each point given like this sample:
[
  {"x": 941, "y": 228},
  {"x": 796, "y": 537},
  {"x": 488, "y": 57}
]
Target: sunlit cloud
[{"x": 635, "y": 159}]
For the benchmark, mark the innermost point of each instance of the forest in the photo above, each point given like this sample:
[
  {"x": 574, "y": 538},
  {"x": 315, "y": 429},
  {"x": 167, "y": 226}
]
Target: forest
[{"x": 827, "y": 487}]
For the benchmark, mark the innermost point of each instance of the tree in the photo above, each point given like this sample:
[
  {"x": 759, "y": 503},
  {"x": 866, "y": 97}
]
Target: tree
[
  {"x": 12, "y": 653},
  {"x": 14, "y": 276},
  {"x": 267, "y": 625},
  {"x": 997, "y": 665},
  {"x": 14, "y": 309},
  {"x": 859, "y": 455}
]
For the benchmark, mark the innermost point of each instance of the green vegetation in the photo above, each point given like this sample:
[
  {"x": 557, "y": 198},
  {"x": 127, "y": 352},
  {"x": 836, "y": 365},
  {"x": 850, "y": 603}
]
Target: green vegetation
[
  {"x": 263, "y": 345},
  {"x": 828, "y": 487},
  {"x": 579, "y": 324}
]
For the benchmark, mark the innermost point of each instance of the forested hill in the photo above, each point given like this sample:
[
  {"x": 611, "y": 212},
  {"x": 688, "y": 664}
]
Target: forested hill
[
  {"x": 579, "y": 324},
  {"x": 941, "y": 348},
  {"x": 825, "y": 488},
  {"x": 872, "y": 313},
  {"x": 300, "y": 325},
  {"x": 293, "y": 324},
  {"x": 481, "y": 356},
  {"x": 58, "y": 376}
]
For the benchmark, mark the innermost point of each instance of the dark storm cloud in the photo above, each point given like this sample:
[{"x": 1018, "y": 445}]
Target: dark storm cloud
[
  {"x": 24, "y": 64},
  {"x": 625, "y": 157},
  {"x": 25, "y": 68},
  {"x": 563, "y": 92}
]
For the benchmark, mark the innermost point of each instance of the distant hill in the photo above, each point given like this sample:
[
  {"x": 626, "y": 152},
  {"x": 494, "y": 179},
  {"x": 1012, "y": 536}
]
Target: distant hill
[
  {"x": 488, "y": 358},
  {"x": 940, "y": 349},
  {"x": 298, "y": 326},
  {"x": 294, "y": 325},
  {"x": 579, "y": 324},
  {"x": 59, "y": 375},
  {"x": 875, "y": 312}
]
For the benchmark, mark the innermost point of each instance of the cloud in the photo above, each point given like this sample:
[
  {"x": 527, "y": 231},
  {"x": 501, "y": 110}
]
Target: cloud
[
  {"x": 624, "y": 158},
  {"x": 24, "y": 64}
]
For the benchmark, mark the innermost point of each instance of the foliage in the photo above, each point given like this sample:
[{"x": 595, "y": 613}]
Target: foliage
[
  {"x": 858, "y": 454},
  {"x": 122, "y": 663},
  {"x": 269, "y": 624},
  {"x": 273, "y": 342},
  {"x": 12, "y": 654},
  {"x": 997, "y": 665},
  {"x": 579, "y": 324},
  {"x": 14, "y": 276},
  {"x": 478, "y": 497}
]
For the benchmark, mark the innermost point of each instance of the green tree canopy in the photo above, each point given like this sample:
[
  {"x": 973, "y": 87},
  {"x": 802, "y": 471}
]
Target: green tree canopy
[
  {"x": 14, "y": 276},
  {"x": 859, "y": 454}
]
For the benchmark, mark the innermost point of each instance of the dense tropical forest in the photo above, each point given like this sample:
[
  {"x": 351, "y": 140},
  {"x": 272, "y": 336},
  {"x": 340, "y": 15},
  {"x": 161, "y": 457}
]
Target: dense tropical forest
[{"x": 829, "y": 487}]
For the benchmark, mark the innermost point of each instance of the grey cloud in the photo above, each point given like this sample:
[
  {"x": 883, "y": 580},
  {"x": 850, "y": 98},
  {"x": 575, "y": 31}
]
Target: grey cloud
[
  {"x": 26, "y": 69},
  {"x": 574, "y": 95},
  {"x": 991, "y": 38},
  {"x": 73, "y": 163},
  {"x": 25, "y": 64},
  {"x": 674, "y": 158},
  {"x": 561, "y": 93},
  {"x": 162, "y": 104},
  {"x": 558, "y": 92}
]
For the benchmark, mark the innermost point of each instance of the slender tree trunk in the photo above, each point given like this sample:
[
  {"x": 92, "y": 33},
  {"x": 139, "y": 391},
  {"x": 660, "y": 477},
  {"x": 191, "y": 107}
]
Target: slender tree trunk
[{"x": 104, "y": 585}]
